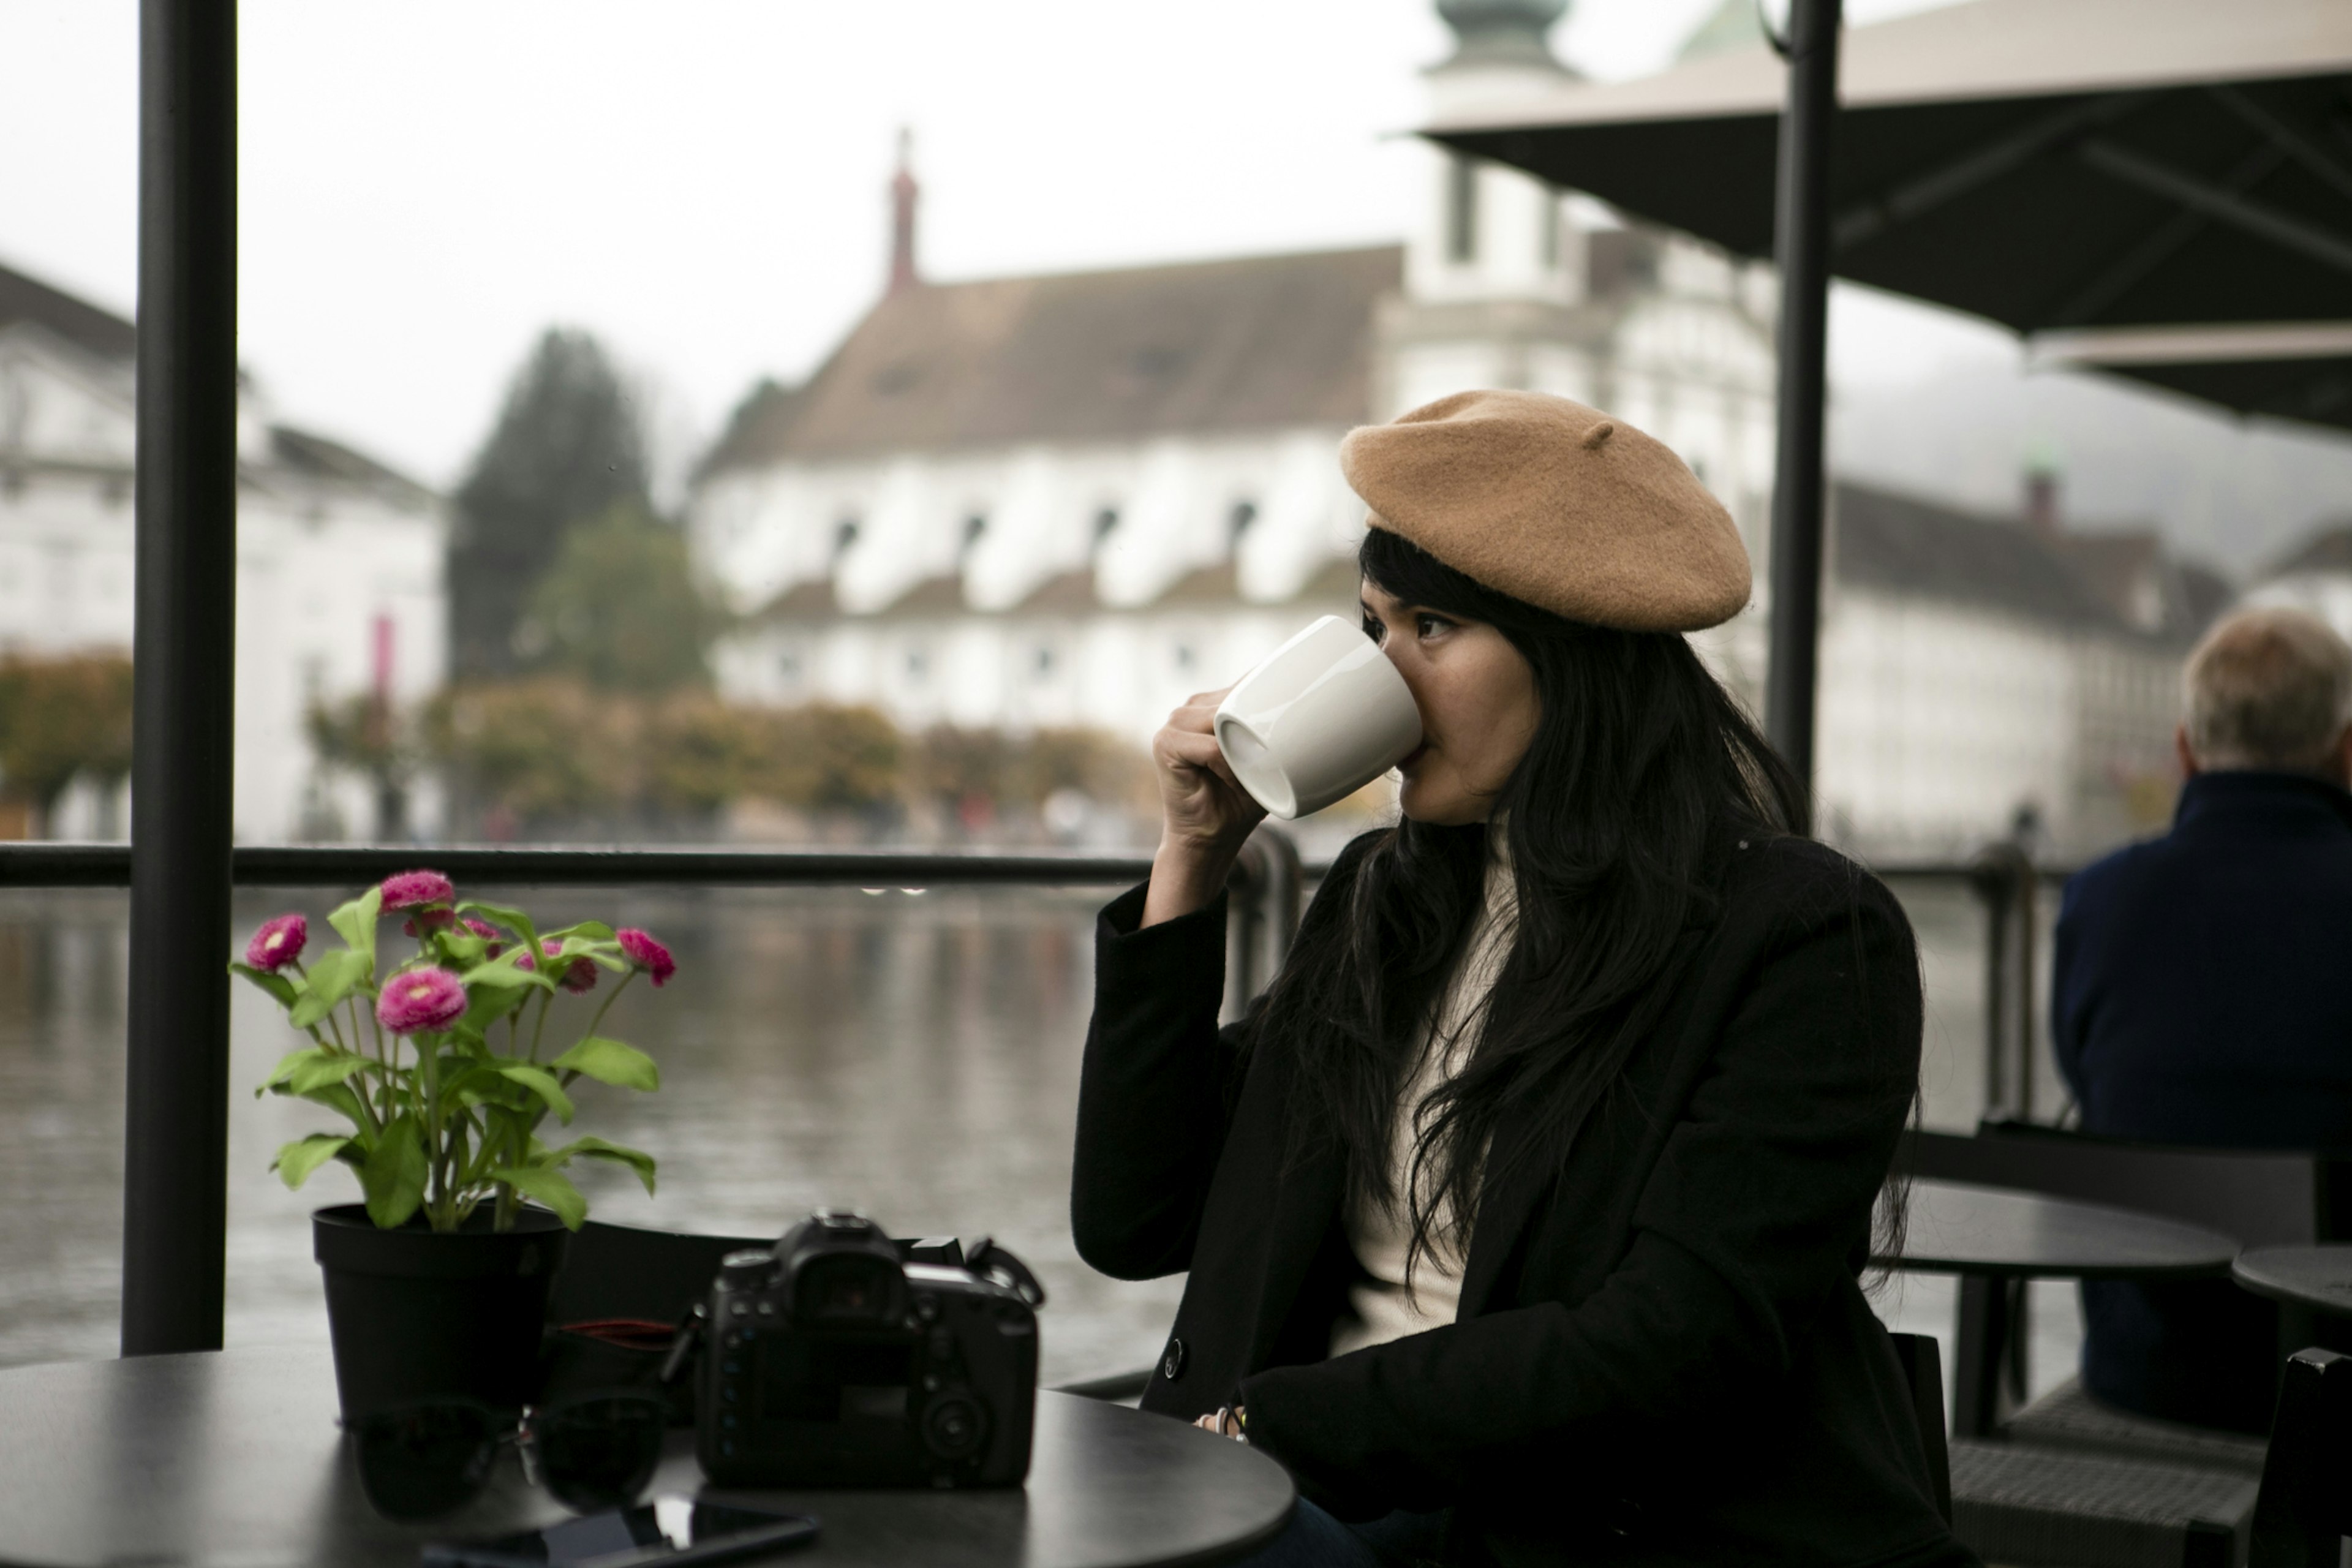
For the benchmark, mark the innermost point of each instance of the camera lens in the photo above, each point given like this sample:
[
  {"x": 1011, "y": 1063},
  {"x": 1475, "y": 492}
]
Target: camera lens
[
  {"x": 597, "y": 1453},
  {"x": 417, "y": 1460},
  {"x": 953, "y": 1427}
]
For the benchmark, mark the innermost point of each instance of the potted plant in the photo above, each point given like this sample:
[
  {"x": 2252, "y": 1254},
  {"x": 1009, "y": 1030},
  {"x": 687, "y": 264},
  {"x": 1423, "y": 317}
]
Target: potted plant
[{"x": 446, "y": 1065}]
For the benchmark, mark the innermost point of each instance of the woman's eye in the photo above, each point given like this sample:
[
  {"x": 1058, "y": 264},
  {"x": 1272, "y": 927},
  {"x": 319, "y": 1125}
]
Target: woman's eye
[
  {"x": 1428, "y": 625},
  {"x": 1374, "y": 629}
]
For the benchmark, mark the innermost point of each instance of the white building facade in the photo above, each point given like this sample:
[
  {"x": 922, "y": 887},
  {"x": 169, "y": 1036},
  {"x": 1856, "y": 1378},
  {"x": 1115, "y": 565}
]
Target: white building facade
[
  {"x": 339, "y": 566},
  {"x": 1076, "y": 500}
]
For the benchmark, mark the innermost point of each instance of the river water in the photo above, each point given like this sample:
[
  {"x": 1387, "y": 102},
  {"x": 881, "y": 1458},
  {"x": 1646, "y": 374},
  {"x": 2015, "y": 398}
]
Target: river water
[{"x": 915, "y": 1055}]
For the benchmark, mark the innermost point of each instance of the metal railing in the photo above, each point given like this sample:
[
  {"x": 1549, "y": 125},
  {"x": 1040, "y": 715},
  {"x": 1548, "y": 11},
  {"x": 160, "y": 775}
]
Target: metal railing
[{"x": 1267, "y": 892}]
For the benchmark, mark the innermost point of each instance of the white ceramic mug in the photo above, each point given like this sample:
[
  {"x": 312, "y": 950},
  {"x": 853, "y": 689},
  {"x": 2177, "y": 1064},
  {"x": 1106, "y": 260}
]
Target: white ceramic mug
[{"x": 1316, "y": 720}]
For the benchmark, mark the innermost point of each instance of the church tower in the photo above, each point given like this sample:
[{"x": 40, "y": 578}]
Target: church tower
[{"x": 1494, "y": 270}]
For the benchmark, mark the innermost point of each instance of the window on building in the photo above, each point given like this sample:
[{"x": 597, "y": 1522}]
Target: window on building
[
  {"x": 788, "y": 665},
  {"x": 1462, "y": 209},
  {"x": 975, "y": 528},
  {"x": 919, "y": 664},
  {"x": 1105, "y": 524},
  {"x": 1045, "y": 662},
  {"x": 1237, "y": 521},
  {"x": 845, "y": 534},
  {"x": 1549, "y": 239},
  {"x": 1183, "y": 656}
]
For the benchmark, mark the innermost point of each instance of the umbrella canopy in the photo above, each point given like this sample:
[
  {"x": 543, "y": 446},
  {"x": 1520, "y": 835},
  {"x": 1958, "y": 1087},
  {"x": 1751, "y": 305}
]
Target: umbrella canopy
[
  {"x": 2287, "y": 370},
  {"x": 2051, "y": 164}
]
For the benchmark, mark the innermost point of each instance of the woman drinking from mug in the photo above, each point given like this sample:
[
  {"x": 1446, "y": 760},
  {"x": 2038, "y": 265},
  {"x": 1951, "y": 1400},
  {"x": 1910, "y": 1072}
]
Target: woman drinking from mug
[{"x": 1525, "y": 1213}]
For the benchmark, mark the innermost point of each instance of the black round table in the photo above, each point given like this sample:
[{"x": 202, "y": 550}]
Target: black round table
[
  {"x": 234, "y": 1459},
  {"x": 1990, "y": 1236},
  {"x": 2319, "y": 1277},
  {"x": 1957, "y": 1229}
]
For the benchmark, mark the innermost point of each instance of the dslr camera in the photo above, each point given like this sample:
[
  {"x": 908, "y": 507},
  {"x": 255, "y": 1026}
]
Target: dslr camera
[{"x": 841, "y": 1358}]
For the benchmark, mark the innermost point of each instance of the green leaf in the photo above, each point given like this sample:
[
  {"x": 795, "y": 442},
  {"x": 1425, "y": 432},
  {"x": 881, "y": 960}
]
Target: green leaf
[
  {"x": 514, "y": 920},
  {"x": 338, "y": 1096},
  {"x": 550, "y": 1188},
  {"x": 332, "y": 980},
  {"x": 596, "y": 930},
  {"x": 500, "y": 975},
  {"x": 278, "y": 985},
  {"x": 355, "y": 923},
  {"x": 326, "y": 1068},
  {"x": 541, "y": 1082},
  {"x": 637, "y": 1160},
  {"x": 611, "y": 1061},
  {"x": 286, "y": 1066},
  {"x": 394, "y": 1174},
  {"x": 298, "y": 1159}
]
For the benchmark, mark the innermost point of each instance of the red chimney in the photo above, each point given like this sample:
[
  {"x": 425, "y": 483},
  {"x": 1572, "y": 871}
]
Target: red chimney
[{"x": 904, "y": 193}]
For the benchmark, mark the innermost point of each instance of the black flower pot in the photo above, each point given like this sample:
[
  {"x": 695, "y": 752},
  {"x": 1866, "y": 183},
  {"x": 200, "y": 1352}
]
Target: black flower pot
[{"x": 418, "y": 1315}]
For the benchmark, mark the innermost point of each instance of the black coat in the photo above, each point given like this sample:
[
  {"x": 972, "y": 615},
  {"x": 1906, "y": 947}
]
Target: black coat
[
  {"x": 2196, "y": 999},
  {"x": 1661, "y": 1354}
]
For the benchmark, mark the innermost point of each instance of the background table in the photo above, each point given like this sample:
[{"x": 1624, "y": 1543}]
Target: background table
[
  {"x": 2319, "y": 1277},
  {"x": 235, "y": 1458},
  {"x": 1992, "y": 1235}
]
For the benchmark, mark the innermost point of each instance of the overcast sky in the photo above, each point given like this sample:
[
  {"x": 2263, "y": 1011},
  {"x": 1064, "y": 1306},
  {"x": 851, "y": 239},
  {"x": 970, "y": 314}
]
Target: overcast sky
[{"x": 425, "y": 184}]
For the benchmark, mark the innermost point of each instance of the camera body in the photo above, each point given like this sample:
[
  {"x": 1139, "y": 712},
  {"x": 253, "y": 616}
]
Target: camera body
[{"x": 840, "y": 1358}]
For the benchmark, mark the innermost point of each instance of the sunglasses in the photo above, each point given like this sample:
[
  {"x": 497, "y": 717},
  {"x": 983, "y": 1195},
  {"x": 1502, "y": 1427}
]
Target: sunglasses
[{"x": 592, "y": 1451}]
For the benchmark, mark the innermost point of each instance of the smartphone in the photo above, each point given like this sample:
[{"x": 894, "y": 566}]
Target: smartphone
[{"x": 667, "y": 1533}]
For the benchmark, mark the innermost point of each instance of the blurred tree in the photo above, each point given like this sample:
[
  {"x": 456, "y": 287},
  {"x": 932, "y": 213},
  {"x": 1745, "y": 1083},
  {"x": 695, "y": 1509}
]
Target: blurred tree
[
  {"x": 534, "y": 751},
  {"x": 59, "y": 717},
  {"x": 619, "y": 609},
  {"x": 828, "y": 758},
  {"x": 567, "y": 445}
]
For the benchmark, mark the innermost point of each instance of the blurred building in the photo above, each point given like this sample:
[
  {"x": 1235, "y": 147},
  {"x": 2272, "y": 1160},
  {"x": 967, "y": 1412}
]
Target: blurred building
[
  {"x": 2315, "y": 575},
  {"x": 1982, "y": 674},
  {"x": 338, "y": 583},
  {"x": 1075, "y": 499}
]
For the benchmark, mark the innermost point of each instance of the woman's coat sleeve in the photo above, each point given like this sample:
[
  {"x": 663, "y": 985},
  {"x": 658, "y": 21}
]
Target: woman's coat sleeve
[{"x": 1154, "y": 1091}]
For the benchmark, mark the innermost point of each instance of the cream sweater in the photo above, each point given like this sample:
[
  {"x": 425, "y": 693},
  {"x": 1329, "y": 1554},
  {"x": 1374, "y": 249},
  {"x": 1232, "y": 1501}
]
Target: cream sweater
[{"x": 1384, "y": 1309}]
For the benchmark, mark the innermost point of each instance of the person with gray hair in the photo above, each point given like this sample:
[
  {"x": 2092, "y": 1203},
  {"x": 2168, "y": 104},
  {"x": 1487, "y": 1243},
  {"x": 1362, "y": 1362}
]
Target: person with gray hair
[{"x": 2198, "y": 997}]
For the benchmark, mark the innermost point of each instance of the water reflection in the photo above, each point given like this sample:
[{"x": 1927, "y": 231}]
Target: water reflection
[{"x": 915, "y": 1055}]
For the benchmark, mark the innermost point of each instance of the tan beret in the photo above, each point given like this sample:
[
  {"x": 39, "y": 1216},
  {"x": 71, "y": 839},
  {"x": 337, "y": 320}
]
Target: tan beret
[{"x": 1556, "y": 504}]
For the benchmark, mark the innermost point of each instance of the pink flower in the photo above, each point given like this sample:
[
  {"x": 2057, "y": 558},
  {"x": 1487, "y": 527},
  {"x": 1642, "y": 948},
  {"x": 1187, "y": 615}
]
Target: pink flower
[
  {"x": 647, "y": 954},
  {"x": 278, "y": 942},
  {"x": 421, "y": 999},
  {"x": 408, "y": 890},
  {"x": 488, "y": 934},
  {"x": 579, "y": 976}
]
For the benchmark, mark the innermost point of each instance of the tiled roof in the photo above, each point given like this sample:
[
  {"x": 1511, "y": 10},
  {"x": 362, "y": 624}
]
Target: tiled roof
[
  {"x": 85, "y": 326},
  {"x": 812, "y": 600},
  {"x": 1064, "y": 594},
  {"x": 2327, "y": 548},
  {"x": 1246, "y": 344},
  {"x": 940, "y": 595},
  {"x": 1922, "y": 549}
]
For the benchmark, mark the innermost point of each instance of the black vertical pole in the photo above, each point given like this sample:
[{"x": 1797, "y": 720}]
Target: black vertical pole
[
  {"x": 175, "y": 1165},
  {"x": 1803, "y": 249}
]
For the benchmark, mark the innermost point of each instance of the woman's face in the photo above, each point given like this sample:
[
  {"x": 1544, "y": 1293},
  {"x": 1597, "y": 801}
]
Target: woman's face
[{"x": 1476, "y": 694}]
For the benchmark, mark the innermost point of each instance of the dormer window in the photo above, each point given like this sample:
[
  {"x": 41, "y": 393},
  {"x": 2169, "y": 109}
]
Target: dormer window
[
  {"x": 1106, "y": 524},
  {"x": 975, "y": 528},
  {"x": 1461, "y": 209},
  {"x": 1238, "y": 520},
  {"x": 845, "y": 534},
  {"x": 1550, "y": 220}
]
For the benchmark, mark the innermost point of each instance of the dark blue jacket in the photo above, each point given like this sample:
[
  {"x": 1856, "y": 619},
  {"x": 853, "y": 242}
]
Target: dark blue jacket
[{"x": 2203, "y": 996}]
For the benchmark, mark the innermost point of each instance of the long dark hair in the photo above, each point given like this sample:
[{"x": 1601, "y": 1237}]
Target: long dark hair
[{"x": 1643, "y": 771}]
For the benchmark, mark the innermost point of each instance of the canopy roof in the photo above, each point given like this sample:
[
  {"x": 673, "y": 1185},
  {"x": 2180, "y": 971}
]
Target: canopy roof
[{"x": 2046, "y": 164}]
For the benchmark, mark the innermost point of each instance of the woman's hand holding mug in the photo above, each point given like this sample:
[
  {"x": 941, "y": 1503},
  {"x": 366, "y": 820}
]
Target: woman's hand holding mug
[{"x": 1205, "y": 815}]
